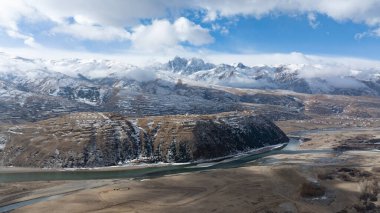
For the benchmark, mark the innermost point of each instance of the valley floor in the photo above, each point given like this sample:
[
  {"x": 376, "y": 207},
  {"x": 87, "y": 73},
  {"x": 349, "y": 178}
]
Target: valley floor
[{"x": 312, "y": 178}]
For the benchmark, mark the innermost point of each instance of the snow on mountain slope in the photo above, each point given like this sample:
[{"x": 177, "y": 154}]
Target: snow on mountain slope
[
  {"x": 185, "y": 66},
  {"x": 93, "y": 81},
  {"x": 69, "y": 78},
  {"x": 316, "y": 79}
]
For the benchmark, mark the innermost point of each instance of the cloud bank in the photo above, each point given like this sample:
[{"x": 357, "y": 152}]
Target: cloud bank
[{"x": 123, "y": 20}]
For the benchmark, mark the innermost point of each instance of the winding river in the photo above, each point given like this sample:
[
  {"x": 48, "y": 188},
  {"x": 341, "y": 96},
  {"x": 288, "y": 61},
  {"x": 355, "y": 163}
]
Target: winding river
[
  {"x": 143, "y": 173},
  {"x": 138, "y": 173},
  {"x": 157, "y": 171}
]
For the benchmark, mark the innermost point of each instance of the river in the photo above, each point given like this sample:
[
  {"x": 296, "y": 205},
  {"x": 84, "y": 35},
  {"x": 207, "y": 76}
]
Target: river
[
  {"x": 139, "y": 173},
  {"x": 157, "y": 171}
]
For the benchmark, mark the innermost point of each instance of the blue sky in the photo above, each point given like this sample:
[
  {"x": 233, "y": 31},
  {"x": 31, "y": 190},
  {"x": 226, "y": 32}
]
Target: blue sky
[
  {"x": 294, "y": 34},
  {"x": 339, "y": 28}
]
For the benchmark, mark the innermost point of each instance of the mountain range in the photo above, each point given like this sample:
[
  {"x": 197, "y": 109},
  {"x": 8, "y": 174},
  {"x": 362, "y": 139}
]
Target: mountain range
[{"x": 35, "y": 89}]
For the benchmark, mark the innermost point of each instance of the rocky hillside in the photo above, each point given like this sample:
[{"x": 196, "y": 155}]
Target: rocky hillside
[{"x": 106, "y": 139}]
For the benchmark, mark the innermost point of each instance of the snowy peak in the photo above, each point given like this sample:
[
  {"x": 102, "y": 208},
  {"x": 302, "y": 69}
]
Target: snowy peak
[
  {"x": 241, "y": 66},
  {"x": 187, "y": 66}
]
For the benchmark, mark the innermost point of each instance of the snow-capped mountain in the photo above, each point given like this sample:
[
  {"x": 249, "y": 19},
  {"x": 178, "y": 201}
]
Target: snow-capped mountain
[
  {"x": 73, "y": 79},
  {"x": 186, "y": 67},
  {"x": 38, "y": 88},
  {"x": 53, "y": 76},
  {"x": 312, "y": 79}
]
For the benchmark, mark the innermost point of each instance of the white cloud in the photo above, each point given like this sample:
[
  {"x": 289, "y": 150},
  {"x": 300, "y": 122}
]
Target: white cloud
[
  {"x": 222, "y": 29},
  {"x": 28, "y": 40},
  {"x": 117, "y": 13},
  {"x": 312, "y": 20},
  {"x": 366, "y": 11},
  {"x": 162, "y": 34},
  {"x": 31, "y": 42},
  {"x": 359, "y": 36},
  {"x": 92, "y": 17},
  {"x": 371, "y": 33},
  {"x": 194, "y": 34},
  {"x": 159, "y": 35},
  {"x": 377, "y": 32},
  {"x": 92, "y": 32},
  {"x": 210, "y": 16},
  {"x": 141, "y": 74},
  {"x": 13, "y": 11}
]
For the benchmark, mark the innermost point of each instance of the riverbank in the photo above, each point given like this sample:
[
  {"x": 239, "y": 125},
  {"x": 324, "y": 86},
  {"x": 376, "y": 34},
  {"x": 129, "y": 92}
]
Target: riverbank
[
  {"x": 15, "y": 174},
  {"x": 311, "y": 178}
]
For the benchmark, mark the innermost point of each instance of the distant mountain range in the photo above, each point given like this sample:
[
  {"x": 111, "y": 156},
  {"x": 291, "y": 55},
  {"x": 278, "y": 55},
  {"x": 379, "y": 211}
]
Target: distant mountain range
[
  {"x": 47, "y": 76},
  {"x": 37, "y": 88},
  {"x": 312, "y": 79}
]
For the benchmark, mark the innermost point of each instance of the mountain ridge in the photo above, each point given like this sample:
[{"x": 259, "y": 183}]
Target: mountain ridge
[{"x": 311, "y": 79}]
